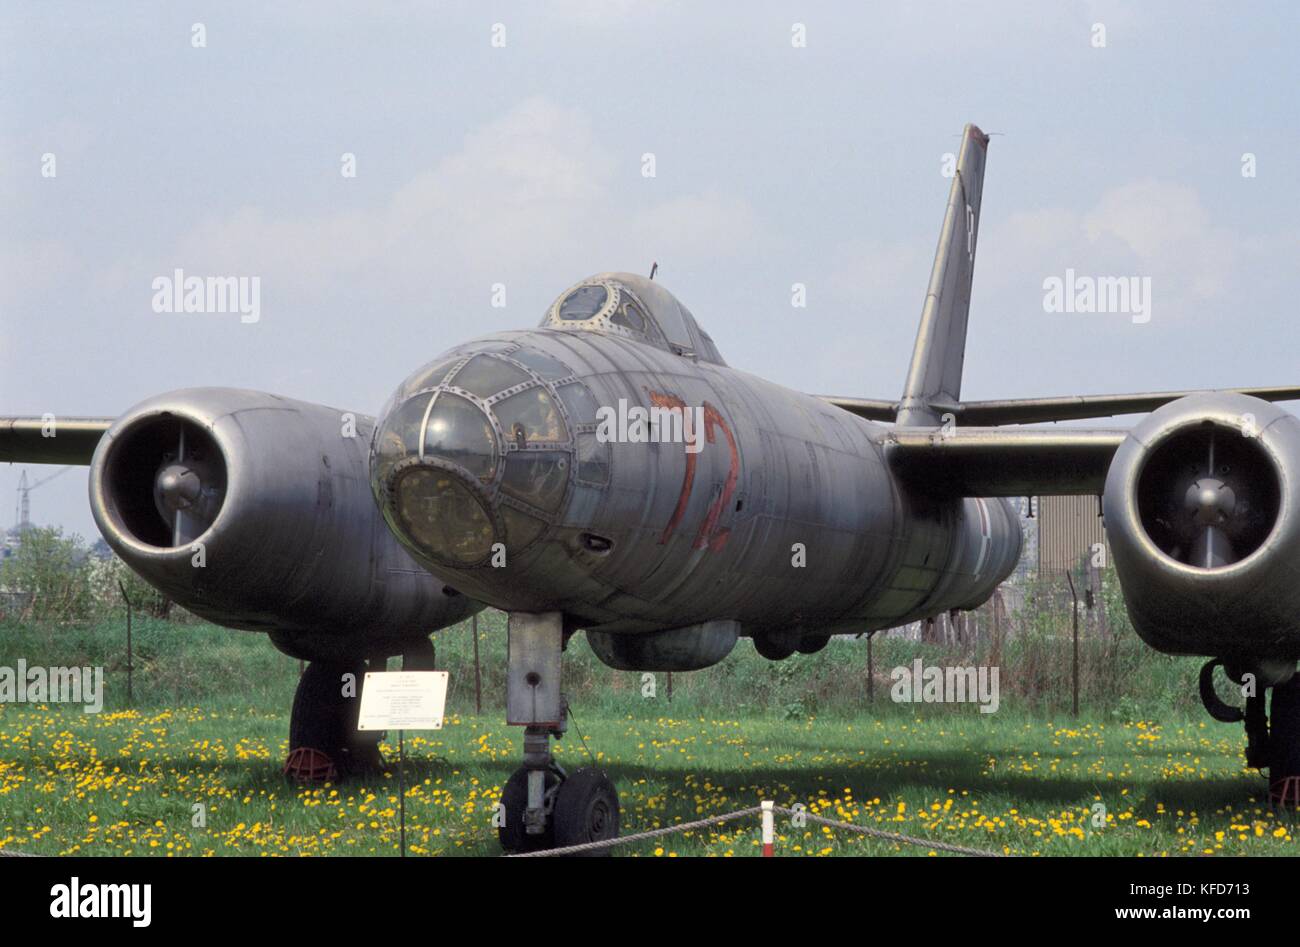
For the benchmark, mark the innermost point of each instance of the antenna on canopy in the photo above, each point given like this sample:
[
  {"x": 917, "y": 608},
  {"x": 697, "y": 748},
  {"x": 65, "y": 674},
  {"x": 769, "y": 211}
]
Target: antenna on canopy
[{"x": 654, "y": 268}]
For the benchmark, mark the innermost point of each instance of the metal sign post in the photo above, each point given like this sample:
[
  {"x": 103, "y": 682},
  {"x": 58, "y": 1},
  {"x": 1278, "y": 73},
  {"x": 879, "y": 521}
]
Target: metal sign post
[
  {"x": 402, "y": 700},
  {"x": 401, "y": 793}
]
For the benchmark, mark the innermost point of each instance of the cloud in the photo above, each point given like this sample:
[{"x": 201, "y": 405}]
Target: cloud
[
  {"x": 533, "y": 190},
  {"x": 705, "y": 225},
  {"x": 1152, "y": 228},
  {"x": 32, "y": 266},
  {"x": 875, "y": 270},
  {"x": 1170, "y": 233}
]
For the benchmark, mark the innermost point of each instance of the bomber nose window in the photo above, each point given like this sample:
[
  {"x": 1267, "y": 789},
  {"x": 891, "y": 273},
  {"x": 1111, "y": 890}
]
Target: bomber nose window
[
  {"x": 532, "y": 416},
  {"x": 460, "y": 432}
]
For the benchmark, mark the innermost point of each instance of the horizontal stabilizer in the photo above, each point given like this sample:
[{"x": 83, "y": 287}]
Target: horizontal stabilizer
[
  {"x": 865, "y": 407},
  {"x": 42, "y": 441},
  {"x": 991, "y": 462}
]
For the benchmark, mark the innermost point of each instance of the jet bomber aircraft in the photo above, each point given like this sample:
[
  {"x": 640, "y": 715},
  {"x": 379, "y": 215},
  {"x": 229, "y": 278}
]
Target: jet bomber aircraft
[{"x": 609, "y": 473}]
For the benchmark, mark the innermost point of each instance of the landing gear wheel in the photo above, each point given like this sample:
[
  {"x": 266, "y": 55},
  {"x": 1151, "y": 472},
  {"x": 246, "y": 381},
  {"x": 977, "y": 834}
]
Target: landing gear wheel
[
  {"x": 586, "y": 810},
  {"x": 419, "y": 656},
  {"x": 813, "y": 645},
  {"x": 772, "y": 650},
  {"x": 514, "y": 798},
  {"x": 324, "y": 722},
  {"x": 1284, "y": 745}
]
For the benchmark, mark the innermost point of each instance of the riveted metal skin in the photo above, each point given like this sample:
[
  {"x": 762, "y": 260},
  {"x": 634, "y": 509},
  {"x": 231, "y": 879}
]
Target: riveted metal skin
[
  {"x": 1243, "y": 611},
  {"x": 296, "y": 547},
  {"x": 787, "y": 518}
]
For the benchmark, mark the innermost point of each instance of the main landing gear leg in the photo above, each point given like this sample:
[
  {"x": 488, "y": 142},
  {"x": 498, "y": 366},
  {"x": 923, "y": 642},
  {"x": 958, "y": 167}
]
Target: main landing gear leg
[
  {"x": 545, "y": 807},
  {"x": 1284, "y": 745},
  {"x": 1272, "y": 733}
]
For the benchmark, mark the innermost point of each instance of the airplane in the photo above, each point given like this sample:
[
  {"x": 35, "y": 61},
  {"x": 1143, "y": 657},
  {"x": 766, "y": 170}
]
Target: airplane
[{"x": 608, "y": 472}]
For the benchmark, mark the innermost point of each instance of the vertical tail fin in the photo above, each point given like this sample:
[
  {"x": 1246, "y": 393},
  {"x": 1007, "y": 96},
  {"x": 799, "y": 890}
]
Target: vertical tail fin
[{"x": 934, "y": 377}]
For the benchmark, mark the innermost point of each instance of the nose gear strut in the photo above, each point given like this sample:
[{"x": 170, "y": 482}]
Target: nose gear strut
[{"x": 545, "y": 807}]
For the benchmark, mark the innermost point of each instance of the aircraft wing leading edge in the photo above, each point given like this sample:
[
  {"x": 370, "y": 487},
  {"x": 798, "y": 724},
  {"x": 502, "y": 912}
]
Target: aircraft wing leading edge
[
  {"x": 45, "y": 441},
  {"x": 992, "y": 462},
  {"x": 1042, "y": 410}
]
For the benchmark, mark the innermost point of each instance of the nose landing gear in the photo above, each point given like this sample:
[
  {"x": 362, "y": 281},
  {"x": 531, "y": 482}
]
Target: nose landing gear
[
  {"x": 521, "y": 816},
  {"x": 545, "y": 807}
]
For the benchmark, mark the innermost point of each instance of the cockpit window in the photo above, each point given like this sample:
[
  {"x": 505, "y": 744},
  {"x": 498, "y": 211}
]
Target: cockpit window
[
  {"x": 603, "y": 306},
  {"x": 628, "y": 315},
  {"x": 631, "y": 306},
  {"x": 583, "y": 303}
]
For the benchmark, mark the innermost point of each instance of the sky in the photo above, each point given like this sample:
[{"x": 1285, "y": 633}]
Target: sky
[{"x": 506, "y": 143}]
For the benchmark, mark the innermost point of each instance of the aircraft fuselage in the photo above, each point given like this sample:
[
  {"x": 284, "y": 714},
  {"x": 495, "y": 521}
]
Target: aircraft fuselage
[{"x": 781, "y": 514}]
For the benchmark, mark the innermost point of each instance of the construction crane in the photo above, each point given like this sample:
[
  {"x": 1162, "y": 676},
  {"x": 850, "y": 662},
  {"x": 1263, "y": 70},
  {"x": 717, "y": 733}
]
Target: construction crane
[{"x": 22, "y": 515}]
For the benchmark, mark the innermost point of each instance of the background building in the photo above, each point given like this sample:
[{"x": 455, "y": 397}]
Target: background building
[{"x": 1069, "y": 530}]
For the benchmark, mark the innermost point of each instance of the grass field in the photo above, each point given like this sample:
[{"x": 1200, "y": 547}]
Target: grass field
[{"x": 210, "y": 722}]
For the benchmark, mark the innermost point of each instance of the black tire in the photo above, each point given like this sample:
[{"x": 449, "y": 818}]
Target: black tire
[
  {"x": 326, "y": 721},
  {"x": 770, "y": 650},
  {"x": 320, "y": 712},
  {"x": 586, "y": 810},
  {"x": 419, "y": 656},
  {"x": 514, "y": 797},
  {"x": 1284, "y": 732}
]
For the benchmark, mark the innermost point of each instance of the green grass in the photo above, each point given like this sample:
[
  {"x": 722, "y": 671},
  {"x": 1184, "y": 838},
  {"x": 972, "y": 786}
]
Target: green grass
[{"x": 210, "y": 723}]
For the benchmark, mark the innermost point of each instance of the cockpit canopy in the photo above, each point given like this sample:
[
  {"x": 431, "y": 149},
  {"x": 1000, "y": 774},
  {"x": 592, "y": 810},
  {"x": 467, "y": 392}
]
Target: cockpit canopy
[{"x": 634, "y": 307}]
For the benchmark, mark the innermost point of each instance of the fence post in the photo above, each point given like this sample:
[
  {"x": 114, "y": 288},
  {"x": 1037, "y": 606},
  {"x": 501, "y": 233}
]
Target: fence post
[
  {"x": 1074, "y": 671},
  {"x": 769, "y": 832},
  {"x": 871, "y": 671},
  {"x": 478, "y": 676},
  {"x": 995, "y": 651},
  {"x": 130, "y": 664}
]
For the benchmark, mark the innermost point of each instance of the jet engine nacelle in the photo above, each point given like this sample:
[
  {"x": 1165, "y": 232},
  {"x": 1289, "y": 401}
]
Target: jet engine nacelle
[
  {"x": 254, "y": 511},
  {"x": 987, "y": 541},
  {"x": 986, "y": 545},
  {"x": 1202, "y": 511}
]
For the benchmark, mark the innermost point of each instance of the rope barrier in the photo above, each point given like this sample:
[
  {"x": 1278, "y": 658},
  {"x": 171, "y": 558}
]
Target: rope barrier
[
  {"x": 897, "y": 836},
  {"x": 741, "y": 813},
  {"x": 640, "y": 836}
]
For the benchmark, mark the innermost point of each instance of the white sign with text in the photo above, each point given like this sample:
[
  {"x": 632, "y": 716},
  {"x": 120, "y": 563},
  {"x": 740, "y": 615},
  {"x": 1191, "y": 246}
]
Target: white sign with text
[{"x": 403, "y": 700}]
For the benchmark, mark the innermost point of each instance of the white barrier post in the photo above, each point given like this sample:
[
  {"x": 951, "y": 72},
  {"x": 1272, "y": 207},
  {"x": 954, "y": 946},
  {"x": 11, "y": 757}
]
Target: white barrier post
[{"x": 769, "y": 833}]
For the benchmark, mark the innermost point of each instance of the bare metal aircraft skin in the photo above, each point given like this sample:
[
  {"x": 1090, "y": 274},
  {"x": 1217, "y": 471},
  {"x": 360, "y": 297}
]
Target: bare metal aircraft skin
[
  {"x": 708, "y": 495},
  {"x": 607, "y": 472}
]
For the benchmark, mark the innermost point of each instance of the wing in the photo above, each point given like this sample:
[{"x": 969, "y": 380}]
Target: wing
[
  {"x": 1041, "y": 410},
  {"x": 42, "y": 441},
  {"x": 991, "y": 462}
]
